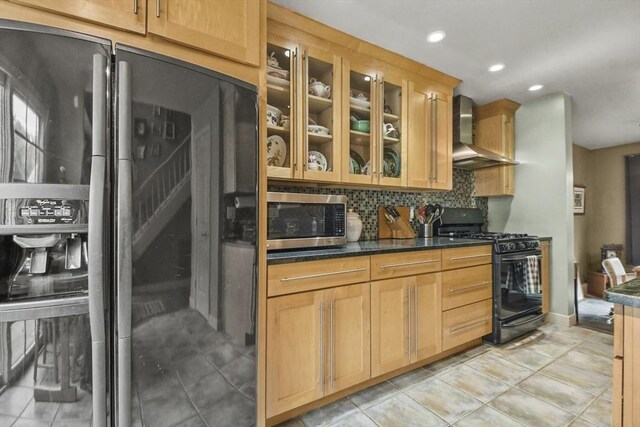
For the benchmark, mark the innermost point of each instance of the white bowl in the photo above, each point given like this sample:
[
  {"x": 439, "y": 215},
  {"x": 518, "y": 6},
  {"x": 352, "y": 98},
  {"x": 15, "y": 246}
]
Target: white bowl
[
  {"x": 273, "y": 115},
  {"x": 317, "y": 129}
]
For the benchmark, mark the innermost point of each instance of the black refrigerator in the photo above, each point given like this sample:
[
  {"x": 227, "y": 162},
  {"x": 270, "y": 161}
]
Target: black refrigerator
[{"x": 127, "y": 236}]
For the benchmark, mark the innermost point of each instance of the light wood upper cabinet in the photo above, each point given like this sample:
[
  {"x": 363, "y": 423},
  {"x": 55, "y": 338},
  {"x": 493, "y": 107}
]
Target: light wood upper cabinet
[
  {"x": 430, "y": 138},
  {"x": 229, "y": 28},
  {"x": 374, "y": 126},
  {"x": 318, "y": 343},
  {"x": 494, "y": 130},
  {"x": 303, "y": 87},
  {"x": 128, "y": 15}
]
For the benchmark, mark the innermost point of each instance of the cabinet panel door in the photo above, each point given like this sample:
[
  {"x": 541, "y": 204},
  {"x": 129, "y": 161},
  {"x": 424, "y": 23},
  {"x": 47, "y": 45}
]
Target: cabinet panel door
[
  {"x": 320, "y": 125},
  {"x": 229, "y": 28},
  {"x": 386, "y": 266},
  {"x": 545, "y": 275},
  {"x": 120, "y": 14},
  {"x": 442, "y": 141},
  {"x": 393, "y": 153},
  {"x": 390, "y": 324},
  {"x": 420, "y": 150},
  {"x": 348, "y": 348},
  {"x": 427, "y": 316},
  {"x": 466, "y": 257},
  {"x": 466, "y": 323},
  {"x": 466, "y": 285},
  {"x": 294, "y": 351}
]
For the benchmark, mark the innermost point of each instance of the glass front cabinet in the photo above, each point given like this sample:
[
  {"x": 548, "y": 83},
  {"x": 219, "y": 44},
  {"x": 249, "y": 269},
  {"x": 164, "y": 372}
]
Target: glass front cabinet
[{"x": 303, "y": 112}]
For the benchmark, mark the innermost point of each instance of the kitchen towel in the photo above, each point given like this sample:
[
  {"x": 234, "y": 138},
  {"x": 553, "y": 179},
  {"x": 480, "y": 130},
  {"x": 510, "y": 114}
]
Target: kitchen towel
[{"x": 531, "y": 282}]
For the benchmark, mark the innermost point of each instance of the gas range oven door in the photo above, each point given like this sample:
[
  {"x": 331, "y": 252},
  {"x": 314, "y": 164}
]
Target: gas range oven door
[{"x": 517, "y": 284}]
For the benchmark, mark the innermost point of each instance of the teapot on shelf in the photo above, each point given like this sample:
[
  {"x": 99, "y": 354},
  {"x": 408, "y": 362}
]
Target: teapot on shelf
[
  {"x": 317, "y": 88},
  {"x": 390, "y": 131}
]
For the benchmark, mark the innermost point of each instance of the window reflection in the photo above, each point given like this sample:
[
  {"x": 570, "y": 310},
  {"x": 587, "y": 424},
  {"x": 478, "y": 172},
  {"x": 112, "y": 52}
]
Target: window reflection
[{"x": 27, "y": 143}]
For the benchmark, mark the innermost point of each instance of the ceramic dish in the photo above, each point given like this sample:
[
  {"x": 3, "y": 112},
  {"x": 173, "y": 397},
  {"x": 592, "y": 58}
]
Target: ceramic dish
[
  {"x": 273, "y": 115},
  {"x": 273, "y": 80},
  {"x": 278, "y": 72},
  {"x": 317, "y": 161},
  {"x": 360, "y": 125},
  {"x": 392, "y": 161},
  {"x": 358, "y": 158},
  {"x": 354, "y": 167},
  {"x": 359, "y": 102},
  {"x": 318, "y": 130},
  {"x": 276, "y": 151}
]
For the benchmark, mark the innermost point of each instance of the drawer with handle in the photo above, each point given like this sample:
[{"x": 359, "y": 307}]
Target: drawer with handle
[
  {"x": 463, "y": 324},
  {"x": 387, "y": 266},
  {"x": 466, "y": 257},
  {"x": 466, "y": 285},
  {"x": 310, "y": 275}
]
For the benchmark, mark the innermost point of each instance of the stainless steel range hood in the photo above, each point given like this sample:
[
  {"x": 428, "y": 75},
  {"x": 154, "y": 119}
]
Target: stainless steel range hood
[{"x": 465, "y": 154}]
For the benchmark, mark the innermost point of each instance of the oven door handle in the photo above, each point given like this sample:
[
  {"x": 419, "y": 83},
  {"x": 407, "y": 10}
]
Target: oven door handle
[
  {"x": 520, "y": 257},
  {"x": 513, "y": 325}
]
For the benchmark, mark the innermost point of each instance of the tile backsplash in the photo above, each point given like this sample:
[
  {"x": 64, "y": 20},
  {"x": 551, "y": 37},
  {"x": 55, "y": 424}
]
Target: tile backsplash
[{"x": 366, "y": 201}]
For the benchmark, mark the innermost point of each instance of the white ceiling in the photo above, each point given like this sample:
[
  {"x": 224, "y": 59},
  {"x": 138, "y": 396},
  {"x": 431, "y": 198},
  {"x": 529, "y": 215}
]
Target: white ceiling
[{"x": 589, "y": 49}]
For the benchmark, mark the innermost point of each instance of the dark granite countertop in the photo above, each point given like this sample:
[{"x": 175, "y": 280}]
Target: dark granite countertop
[
  {"x": 370, "y": 247},
  {"x": 627, "y": 293}
]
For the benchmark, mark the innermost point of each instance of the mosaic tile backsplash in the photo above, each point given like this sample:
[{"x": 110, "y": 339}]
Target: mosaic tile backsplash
[{"x": 366, "y": 201}]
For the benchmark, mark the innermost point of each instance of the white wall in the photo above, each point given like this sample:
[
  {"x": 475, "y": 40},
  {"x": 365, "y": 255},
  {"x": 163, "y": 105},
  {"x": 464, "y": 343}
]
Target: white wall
[{"x": 542, "y": 204}]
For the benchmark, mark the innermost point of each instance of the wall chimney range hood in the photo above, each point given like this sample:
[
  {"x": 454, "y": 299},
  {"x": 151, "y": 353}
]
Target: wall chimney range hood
[{"x": 465, "y": 154}]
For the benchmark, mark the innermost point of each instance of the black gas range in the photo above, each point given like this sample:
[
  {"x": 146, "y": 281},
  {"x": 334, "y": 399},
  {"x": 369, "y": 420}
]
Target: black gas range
[{"x": 517, "y": 287}]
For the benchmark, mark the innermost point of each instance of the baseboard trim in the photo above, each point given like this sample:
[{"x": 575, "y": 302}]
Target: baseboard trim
[{"x": 561, "y": 319}]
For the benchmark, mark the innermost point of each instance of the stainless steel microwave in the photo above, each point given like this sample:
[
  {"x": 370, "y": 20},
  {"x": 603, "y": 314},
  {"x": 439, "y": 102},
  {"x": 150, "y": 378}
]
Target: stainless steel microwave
[{"x": 296, "y": 220}]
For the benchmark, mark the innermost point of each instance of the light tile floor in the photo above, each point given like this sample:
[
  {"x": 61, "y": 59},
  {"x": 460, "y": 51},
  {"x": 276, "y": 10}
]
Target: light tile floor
[{"x": 554, "y": 377}]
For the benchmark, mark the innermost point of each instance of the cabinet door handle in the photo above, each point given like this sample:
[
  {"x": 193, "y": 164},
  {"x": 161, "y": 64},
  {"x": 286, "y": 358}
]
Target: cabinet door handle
[
  {"x": 293, "y": 119},
  {"x": 408, "y": 351},
  {"x": 466, "y": 288},
  {"x": 331, "y": 273},
  {"x": 321, "y": 379},
  {"x": 469, "y": 325},
  {"x": 407, "y": 264},
  {"x": 456, "y": 258},
  {"x": 331, "y": 344},
  {"x": 415, "y": 310},
  {"x": 157, "y": 8},
  {"x": 135, "y": 6}
]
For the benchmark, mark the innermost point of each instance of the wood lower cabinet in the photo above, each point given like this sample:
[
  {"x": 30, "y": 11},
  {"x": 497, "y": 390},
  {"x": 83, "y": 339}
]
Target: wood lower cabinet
[
  {"x": 545, "y": 275},
  {"x": 626, "y": 367},
  {"x": 466, "y": 285},
  {"x": 405, "y": 321},
  {"x": 467, "y": 256},
  {"x": 466, "y": 323},
  {"x": 318, "y": 344}
]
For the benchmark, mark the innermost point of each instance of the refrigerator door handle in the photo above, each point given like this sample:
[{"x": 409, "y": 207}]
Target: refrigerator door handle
[
  {"x": 124, "y": 243},
  {"x": 96, "y": 276}
]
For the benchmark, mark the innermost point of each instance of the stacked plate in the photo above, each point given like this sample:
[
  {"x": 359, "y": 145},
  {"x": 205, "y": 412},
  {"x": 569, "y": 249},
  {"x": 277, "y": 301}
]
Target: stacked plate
[{"x": 391, "y": 163}]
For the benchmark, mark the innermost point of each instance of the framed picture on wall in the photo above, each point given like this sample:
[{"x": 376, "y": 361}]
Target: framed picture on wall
[{"x": 578, "y": 200}]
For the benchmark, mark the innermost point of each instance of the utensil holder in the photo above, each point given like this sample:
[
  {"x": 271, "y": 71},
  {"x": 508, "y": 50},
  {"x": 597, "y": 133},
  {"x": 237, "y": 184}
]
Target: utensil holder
[{"x": 426, "y": 230}]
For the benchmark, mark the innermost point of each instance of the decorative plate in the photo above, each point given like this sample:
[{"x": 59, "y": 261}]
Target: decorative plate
[
  {"x": 317, "y": 158},
  {"x": 392, "y": 159},
  {"x": 276, "y": 151},
  {"x": 358, "y": 158}
]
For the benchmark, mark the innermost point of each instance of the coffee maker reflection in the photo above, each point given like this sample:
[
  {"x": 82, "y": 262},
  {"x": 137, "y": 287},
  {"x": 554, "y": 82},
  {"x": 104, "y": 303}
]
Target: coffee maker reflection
[{"x": 43, "y": 266}]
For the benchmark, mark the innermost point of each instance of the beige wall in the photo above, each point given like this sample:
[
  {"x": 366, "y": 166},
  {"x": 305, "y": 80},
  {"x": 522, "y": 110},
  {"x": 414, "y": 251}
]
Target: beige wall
[{"x": 602, "y": 171}]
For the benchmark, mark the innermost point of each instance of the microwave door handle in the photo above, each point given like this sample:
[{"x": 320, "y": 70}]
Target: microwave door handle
[
  {"x": 124, "y": 243},
  {"x": 96, "y": 245}
]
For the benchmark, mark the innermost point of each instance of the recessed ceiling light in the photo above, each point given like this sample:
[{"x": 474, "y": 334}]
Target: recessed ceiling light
[
  {"x": 496, "y": 67},
  {"x": 535, "y": 87},
  {"x": 436, "y": 36}
]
